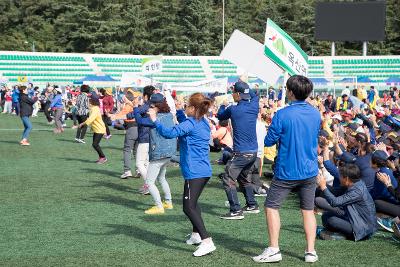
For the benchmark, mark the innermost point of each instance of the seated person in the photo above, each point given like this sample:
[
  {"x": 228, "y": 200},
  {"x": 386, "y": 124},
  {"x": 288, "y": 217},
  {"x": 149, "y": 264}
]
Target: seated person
[
  {"x": 385, "y": 186},
  {"x": 222, "y": 139},
  {"x": 358, "y": 222}
]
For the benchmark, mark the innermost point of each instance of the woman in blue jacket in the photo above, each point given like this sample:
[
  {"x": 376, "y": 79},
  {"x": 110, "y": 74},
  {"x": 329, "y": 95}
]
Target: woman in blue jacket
[
  {"x": 194, "y": 133},
  {"x": 58, "y": 107}
]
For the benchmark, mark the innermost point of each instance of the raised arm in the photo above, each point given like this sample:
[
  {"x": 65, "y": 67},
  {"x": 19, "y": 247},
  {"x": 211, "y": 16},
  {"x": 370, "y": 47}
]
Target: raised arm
[{"x": 181, "y": 129}]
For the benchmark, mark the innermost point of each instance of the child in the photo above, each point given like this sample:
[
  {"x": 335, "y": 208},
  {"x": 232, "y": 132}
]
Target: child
[
  {"x": 26, "y": 110},
  {"x": 359, "y": 220},
  {"x": 8, "y": 102},
  {"x": 99, "y": 129}
]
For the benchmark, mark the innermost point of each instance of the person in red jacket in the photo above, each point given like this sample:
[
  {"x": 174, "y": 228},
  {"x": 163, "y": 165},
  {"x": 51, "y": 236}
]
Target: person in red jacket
[{"x": 108, "y": 105}]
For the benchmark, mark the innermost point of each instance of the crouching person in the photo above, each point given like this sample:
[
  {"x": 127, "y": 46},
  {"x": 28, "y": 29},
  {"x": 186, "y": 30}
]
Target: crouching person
[{"x": 359, "y": 219}]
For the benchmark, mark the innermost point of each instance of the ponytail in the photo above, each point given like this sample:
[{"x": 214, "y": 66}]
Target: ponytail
[{"x": 200, "y": 103}]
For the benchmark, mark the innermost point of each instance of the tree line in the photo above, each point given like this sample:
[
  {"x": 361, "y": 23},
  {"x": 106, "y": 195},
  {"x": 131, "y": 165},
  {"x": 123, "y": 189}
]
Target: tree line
[{"x": 169, "y": 27}]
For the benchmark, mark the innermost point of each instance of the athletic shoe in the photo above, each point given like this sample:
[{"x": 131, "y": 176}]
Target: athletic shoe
[
  {"x": 74, "y": 127},
  {"x": 396, "y": 230},
  {"x": 107, "y": 136},
  {"x": 238, "y": 215},
  {"x": 194, "y": 239},
  {"x": 167, "y": 205},
  {"x": 126, "y": 175},
  {"x": 50, "y": 122},
  {"x": 144, "y": 190},
  {"x": 82, "y": 141},
  {"x": 327, "y": 235},
  {"x": 25, "y": 143},
  {"x": 64, "y": 125},
  {"x": 137, "y": 175},
  {"x": 268, "y": 256},
  {"x": 310, "y": 257},
  {"x": 385, "y": 223},
  {"x": 261, "y": 192},
  {"x": 251, "y": 209},
  {"x": 101, "y": 160},
  {"x": 204, "y": 249},
  {"x": 154, "y": 211}
]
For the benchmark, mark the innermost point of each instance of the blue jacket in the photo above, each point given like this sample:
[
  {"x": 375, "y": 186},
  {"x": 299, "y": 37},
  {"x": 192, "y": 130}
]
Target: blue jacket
[
  {"x": 57, "y": 102},
  {"x": 295, "y": 129},
  {"x": 194, "y": 137},
  {"x": 159, "y": 146},
  {"x": 15, "y": 96},
  {"x": 381, "y": 192},
  {"x": 139, "y": 114},
  {"x": 359, "y": 207},
  {"x": 243, "y": 117}
]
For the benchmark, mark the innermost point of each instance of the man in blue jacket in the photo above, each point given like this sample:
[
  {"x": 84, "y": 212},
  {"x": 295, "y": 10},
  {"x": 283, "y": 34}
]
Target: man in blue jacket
[
  {"x": 243, "y": 117},
  {"x": 295, "y": 130}
]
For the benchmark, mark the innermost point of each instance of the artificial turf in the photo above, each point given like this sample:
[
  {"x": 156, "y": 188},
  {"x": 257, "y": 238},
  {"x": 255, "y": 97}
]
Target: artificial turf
[{"x": 59, "y": 208}]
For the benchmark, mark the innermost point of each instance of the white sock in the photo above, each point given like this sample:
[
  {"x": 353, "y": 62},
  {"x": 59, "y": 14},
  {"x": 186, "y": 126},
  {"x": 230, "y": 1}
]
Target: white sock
[{"x": 274, "y": 250}]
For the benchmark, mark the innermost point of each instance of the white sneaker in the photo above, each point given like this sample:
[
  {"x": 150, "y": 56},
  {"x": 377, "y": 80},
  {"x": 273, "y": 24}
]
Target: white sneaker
[
  {"x": 126, "y": 175},
  {"x": 204, "y": 249},
  {"x": 81, "y": 141},
  {"x": 311, "y": 256},
  {"x": 268, "y": 256},
  {"x": 194, "y": 239}
]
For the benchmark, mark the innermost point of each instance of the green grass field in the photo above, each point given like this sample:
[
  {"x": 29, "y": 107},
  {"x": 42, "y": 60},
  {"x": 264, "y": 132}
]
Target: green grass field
[{"x": 58, "y": 208}]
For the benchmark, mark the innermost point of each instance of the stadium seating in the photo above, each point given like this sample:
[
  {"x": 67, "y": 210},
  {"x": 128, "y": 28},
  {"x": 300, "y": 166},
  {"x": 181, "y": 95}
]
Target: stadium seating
[{"x": 64, "y": 68}]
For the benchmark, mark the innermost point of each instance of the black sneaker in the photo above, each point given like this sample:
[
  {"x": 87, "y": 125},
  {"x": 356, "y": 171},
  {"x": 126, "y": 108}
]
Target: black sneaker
[
  {"x": 238, "y": 215},
  {"x": 251, "y": 209}
]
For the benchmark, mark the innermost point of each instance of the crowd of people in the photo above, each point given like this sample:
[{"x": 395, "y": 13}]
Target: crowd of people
[{"x": 340, "y": 154}]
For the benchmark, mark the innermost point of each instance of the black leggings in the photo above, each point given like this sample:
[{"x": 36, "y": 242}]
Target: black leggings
[
  {"x": 96, "y": 144},
  {"x": 387, "y": 208},
  {"x": 106, "y": 121},
  {"x": 80, "y": 133},
  {"x": 191, "y": 193}
]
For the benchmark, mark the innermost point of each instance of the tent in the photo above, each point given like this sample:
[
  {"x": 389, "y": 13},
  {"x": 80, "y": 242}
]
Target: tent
[
  {"x": 364, "y": 79},
  {"x": 104, "y": 80},
  {"x": 393, "y": 79},
  {"x": 320, "y": 81},
  {"x": 347, "y": 80}
]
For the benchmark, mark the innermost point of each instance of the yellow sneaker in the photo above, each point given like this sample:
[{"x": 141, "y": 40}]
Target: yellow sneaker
[
  {"x": 154, "y": 211},
  {"x": 167, "y": 206}
]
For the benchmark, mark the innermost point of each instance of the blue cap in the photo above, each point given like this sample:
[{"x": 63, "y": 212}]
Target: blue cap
[
  {"x": 348, "y": 157},
  {"x": 241, "y": 87},
  {"x": 380, "y": 154},
  {"x": 156, "y": 98}
]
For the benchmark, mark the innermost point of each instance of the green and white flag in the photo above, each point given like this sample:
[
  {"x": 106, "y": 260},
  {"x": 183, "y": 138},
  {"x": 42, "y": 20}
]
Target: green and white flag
[
  {"x": 152, "y": 65},
  {"x": 284, "y": 51}
]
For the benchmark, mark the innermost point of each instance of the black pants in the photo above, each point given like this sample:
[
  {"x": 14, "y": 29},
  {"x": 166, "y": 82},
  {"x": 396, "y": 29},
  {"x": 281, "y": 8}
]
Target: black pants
[
  {"x": 106, "y": 121},
  {"x": 387, "y": 208},
  {"x": 337, "y": 223},
  {"x": 96, "y": 144},
  {"x": 47, "y": 112},
  {"x": 80, "y": 133},
  {"x": 191, "y": 193}
]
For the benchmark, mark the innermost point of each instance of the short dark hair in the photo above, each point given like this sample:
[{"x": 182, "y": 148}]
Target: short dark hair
[
  {"x": 85, "y": 88},
  {"x": 381, "y": 163},
  {"x": 148, "y": 90},
  {"x": 300, "y": 86},
  {"x": 351, "y": 171}
]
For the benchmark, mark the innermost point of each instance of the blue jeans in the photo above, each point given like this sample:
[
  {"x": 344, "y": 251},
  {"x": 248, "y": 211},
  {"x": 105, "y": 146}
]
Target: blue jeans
[
  {"x": 238, "y": 169},
  {"x": 27, "y": 127}
]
